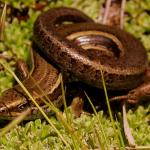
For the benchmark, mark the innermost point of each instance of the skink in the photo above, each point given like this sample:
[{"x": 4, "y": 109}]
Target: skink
[{"x": 78, "y": 47}]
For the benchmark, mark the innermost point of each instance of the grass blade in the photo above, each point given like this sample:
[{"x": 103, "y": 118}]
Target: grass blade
[
  {"x": 109, "y": 109},
  {"x": 2, "y": 22},
  {"x": 14, "y": 122},
  {"x": 101, "y": 127}
]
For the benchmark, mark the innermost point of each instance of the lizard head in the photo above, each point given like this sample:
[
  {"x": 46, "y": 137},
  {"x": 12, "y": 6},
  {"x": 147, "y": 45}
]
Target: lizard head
[{"x": 12, "y": 104}]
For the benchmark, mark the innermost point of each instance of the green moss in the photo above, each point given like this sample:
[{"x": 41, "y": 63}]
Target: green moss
[
  {"x": 41, "y": 135},
  {"x": 138, "y": 20}
]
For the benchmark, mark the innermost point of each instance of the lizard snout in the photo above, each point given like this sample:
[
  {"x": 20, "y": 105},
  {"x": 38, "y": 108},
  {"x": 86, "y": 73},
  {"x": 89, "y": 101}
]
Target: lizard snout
[{"x": 3, "y": 108}]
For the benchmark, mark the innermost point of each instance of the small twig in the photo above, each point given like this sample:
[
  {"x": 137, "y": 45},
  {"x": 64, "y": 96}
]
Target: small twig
[
  {"x": 119, "y": 98},
  {"x": 138, "y": 148},
  {"x": 100, "y": 16},
  {"x": 106, "y": 11},
  {"x": 2, "y": 23},
  {"x": 127, "y": 130},
  {"x": 128, "y": 148},
  {"x": 122, "y": 13}
]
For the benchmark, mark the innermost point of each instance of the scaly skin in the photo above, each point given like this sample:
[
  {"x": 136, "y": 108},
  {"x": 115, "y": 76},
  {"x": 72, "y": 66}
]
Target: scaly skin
[
  {"x": 81, "y": 49},
  {"x": 124, "y": 69},
  {"x": 14, "y": 100}
]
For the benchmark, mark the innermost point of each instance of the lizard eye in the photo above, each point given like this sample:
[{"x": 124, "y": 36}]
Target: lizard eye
[{"x": 22, "y": 106}]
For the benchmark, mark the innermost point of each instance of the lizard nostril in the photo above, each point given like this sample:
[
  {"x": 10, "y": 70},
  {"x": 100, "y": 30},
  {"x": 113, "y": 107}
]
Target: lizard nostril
[{"x": 3, "y": 108}]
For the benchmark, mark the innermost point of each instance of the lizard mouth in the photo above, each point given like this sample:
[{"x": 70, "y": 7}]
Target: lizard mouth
[
  {"x": 12, "y": 106},
  {"x": 14, "y": 112}
]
